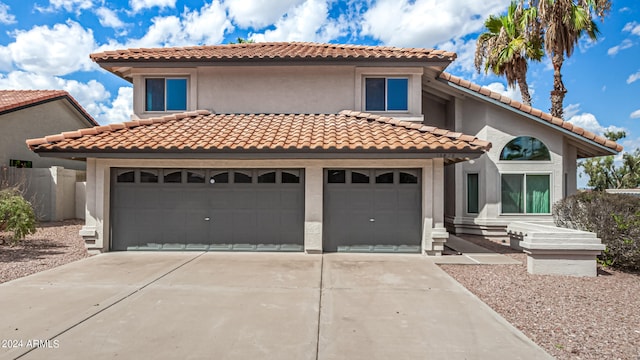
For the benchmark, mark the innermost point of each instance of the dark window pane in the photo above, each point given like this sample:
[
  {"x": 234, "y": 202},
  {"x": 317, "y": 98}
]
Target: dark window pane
[
  {"x": 126, "y": 176},
  {"x": 472, "y": 193},
  {"x": 359, "y": 178},
  {"x": 397, "y": 94},
  {"x": 241, "y": 177},
  {"x": 383, "y": 177},
  {"x": 176, "y": 94},
  {"x": 148, "y": 176},
  {"x": 525, "y": 148},
  {"x": 154, "y": 99},
  {"x": 538, "y": 194},
  {"x": 173, "y": 176},
  {"x": 195, "y": 177},
  {"x": 267, "y": 177},
  {"x": 336, "y": 176},
  {"x": 220, "y": 178},
  {"x": 407, "y": 178},
  {"x": 512, "y": 193},
  {"x": 374, "y": 94},
  {"x": 290, "y": 176}
]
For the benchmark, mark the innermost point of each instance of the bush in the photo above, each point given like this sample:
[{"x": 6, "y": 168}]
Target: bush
[
  {"x": 16, "y": 214},
  {"x": 615, "y": 218}
]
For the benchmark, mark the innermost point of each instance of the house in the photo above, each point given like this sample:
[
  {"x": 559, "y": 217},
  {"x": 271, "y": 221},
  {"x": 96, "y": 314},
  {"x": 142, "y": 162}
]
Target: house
[
  {"x": 27, "y": 114},
  {"x": 314, "y": 147}
]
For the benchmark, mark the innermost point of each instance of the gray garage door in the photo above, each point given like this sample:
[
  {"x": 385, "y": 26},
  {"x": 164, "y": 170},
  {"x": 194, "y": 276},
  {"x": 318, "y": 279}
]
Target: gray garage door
[
  {"x": 207, "y": 209},
  {"x": 372, "y": 210}
]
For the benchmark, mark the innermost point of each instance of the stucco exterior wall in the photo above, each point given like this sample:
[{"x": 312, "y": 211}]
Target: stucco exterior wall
[
  {"x": 98, "y": 198},
  {"x": 279, "y": 89},
  {"x": 501, "y": 126},
  {"x": 34, "y": 122}
]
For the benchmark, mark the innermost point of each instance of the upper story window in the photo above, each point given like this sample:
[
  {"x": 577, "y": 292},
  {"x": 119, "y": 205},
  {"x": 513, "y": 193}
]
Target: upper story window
[
  {"x": 525, "y": 148},
  {"x": 165, "y": 94},
  {"x": 386, "y": 94}
]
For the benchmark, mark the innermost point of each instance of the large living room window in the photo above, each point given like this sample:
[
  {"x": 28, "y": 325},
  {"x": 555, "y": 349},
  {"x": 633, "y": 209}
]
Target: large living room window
[
  {"x": 386, "y": 94},
  {"x": 165, "y": 94},
  {"x": 526, "y": 193}
]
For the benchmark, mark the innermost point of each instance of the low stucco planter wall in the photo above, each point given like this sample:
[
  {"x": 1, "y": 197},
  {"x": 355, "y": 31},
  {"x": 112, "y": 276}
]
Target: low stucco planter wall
[{"x": 553, "y": 250}]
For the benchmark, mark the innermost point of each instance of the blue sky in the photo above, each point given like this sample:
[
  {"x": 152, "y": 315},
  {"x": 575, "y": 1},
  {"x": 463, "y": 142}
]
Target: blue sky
[{"x": 45, "y": 44}]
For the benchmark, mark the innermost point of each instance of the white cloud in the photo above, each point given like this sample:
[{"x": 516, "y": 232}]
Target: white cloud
[
  {"x": 632, "y": 27},
  {"x": 258, "y": 13},
  {"x": 59, "y": 50},
  {"x": 465, "y": 52},
  {"x": 635, "y": 114},
  {"x": 137, "y": 5},
  {"x": 308, "y": 21},
  {"x": 109, "y": 18},
  {"x": 119, "y": 110},
  {"x": 205, "y": 26},
  {"x": 5, "y": 17},
  {"x": 68, "y": 5},
  {"x": 510, "y": 92},
  {"x": 633, "y": 78},
  {"x": 571, "y": 110},
  {"x": 589, "y": 122},
  {"x": 625, "y": 44},
  {"x": 425, "y": 23}
]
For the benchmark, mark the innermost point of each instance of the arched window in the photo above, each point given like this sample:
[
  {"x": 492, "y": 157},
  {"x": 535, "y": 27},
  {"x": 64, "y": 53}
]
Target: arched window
[{"x": 525, "y": 148}]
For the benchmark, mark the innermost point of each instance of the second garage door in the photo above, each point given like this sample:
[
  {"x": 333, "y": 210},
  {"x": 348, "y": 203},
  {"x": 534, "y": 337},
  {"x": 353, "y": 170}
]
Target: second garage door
[
  {"x": 372, "y": 210},
  {"x": 207, "y": 209}
]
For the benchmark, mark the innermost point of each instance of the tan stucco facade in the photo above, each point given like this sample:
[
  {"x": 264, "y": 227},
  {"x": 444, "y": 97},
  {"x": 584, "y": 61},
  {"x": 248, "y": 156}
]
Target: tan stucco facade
[
  {"x": 48, "y": 118},
  {"x": 279, "y": 89},
  {"x": 98, "y": 190}
]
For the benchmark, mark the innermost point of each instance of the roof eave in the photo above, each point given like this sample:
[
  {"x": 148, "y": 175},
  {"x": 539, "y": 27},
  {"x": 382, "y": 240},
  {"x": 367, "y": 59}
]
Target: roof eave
[{"x": 604, "y": 150}]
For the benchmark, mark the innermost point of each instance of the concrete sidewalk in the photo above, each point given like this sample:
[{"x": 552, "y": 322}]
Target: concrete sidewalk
[{"x": 252, "y": 305}]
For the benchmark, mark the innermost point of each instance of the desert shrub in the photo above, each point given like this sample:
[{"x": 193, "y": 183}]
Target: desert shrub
[
  {"x": 16, "y": 214},
  {"x": 614, "y": 217}
]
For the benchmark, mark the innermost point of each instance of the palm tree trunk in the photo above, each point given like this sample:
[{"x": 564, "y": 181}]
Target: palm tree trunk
[
  {"x": 558, "y": 92},
  {"x": 524, "y": 89}
]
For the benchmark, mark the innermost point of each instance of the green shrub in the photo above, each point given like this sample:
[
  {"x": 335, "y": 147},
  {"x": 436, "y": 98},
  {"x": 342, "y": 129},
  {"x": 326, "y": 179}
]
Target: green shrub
[
  {"x": 16, "y": 214},
  {"x": 615, "y": 218}
]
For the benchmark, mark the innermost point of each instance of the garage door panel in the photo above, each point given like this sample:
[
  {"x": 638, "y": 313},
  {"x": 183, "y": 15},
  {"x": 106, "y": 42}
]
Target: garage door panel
[
  {"x": 175, "y": 215},
  {"x": 372, "y": 216}
]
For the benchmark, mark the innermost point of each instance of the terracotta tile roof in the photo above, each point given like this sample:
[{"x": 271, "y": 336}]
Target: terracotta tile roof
[
  {"x": 11, "y": 100},
  {"x": 532, "y": 111},
  {"x": 201, "y": 131},
  {"x": 274, "y": 50}
]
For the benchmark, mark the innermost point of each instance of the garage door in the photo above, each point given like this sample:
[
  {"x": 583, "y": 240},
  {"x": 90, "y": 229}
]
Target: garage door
[
  {"x": 207, "y": 209},
  {"x": 372, "y": 210}
]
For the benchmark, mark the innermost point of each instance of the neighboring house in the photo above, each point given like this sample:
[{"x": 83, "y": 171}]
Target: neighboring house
[
  {"x": 25, "y": 114},
  {"x": 249, "y": 147}
]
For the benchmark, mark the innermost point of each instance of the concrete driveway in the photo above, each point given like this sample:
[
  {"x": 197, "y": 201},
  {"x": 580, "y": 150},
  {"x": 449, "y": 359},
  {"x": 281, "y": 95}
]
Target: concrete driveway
[{"x": 251, "y": 306}]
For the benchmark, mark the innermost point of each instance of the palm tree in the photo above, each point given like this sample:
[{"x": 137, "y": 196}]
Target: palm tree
[
  {"x": 505, "y": 50},
  {"x": 563, "y": 22}
]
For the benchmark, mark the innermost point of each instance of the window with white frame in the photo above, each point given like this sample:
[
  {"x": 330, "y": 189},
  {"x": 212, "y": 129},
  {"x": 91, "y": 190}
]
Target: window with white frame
[
  {"x": 386, "y": 94},
  {"x": 165, "y": 94},
  {"x": 526, "y": 193}
]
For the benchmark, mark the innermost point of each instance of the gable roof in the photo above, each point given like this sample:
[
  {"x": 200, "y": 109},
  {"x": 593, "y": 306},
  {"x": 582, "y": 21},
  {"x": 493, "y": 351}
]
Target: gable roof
[
  {"x": 13, "y": 100},
  {"x": 275, "y": 51},
  {"x": 204, "y": 132},
  {"x": 526, "y": 109}
]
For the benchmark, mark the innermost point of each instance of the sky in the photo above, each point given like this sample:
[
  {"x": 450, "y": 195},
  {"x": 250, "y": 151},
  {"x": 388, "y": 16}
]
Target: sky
[{"x": 45, "y": 44}]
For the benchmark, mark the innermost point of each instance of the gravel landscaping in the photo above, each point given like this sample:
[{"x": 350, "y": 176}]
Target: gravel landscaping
[
  {"x": 571, "y": 318},
  {"x": 54, "y": 244}
]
